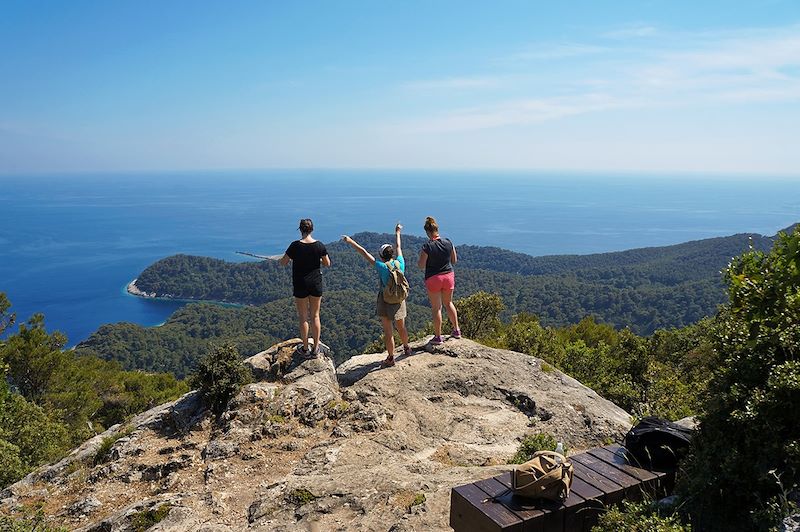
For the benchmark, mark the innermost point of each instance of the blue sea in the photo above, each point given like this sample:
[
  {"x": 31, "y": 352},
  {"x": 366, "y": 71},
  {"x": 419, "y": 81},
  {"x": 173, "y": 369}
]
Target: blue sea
[{"x": 69, "y": 244}]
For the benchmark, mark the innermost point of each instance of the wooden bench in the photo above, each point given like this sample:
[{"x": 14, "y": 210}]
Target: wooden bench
[{"x": 603, "y": 476}]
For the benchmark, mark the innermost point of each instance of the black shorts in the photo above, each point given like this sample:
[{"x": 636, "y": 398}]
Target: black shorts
[{"x": 310, "y": 285}]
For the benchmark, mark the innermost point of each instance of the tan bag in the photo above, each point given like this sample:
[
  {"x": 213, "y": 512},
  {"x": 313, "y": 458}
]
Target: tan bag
[
  {"x": 548, "y": 475},
  {"x": 396, "y": 290}
]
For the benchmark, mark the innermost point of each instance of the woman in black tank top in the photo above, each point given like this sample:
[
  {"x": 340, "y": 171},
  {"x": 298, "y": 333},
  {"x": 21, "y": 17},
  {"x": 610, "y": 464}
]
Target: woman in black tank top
[
  {"x": 306, "y": 256},
  {"x": 437, "y": 258}
]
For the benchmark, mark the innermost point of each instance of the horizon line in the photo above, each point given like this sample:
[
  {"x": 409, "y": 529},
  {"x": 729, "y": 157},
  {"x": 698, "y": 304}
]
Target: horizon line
[{"x": 632, "y": 172}]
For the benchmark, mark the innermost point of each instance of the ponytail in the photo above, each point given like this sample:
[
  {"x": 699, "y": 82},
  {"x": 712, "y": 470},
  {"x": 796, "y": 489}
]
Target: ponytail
[{"x": 430, "y": 225}]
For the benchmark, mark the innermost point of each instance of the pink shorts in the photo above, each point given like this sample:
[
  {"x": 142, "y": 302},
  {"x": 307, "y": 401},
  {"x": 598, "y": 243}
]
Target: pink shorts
[{"x": 441, "y": 281}]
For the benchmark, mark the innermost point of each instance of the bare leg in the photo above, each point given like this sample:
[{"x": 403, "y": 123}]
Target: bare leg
[
  {"x": 388, "y": 335},
  {"x": 302, "y": 315},
  {"x": 436, "y": 311},
  {"x": 401, "y": 328},
  {"x": 314, "y": 304},
  {"x": 447, "y": 301}
]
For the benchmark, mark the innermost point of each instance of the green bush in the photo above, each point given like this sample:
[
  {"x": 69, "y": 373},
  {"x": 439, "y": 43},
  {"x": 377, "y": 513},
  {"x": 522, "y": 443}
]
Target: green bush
[
  {"x": 104, "y": 451},
  {"x": 219, "y": 376},
  {"x": 530, "y": 444},
  {"x": 37, "y": 437},
  {"x": 747, "y": 452},
  {"x": 29, "y": 521},
  {"x": 525, "y": 335},
  {"x": 146, "y": 519},
  {"x": 638, "y": 517},
  {"x": 479, "y": 314},
  {"x": 11, "y": 466},
  {"x": 301, "y": 496}
]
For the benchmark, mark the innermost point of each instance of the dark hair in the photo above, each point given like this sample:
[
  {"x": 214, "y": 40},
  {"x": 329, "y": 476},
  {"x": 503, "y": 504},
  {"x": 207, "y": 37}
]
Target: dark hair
[
  {"x": 387, "y": 252},
  {"x": 306, "y": 226},
  {"x": 430, "y": 225}
]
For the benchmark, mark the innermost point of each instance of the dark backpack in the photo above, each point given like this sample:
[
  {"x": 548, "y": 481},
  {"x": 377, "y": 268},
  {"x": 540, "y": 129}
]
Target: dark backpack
[
  {"x": 657, "y": 443},
  {"x": 396, "y": 289}
]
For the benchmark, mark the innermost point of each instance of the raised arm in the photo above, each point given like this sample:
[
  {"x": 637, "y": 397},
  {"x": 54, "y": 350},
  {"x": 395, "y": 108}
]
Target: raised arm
[
  {"x": 397, "y": 247},
  {"x": 363, "y": 252}
]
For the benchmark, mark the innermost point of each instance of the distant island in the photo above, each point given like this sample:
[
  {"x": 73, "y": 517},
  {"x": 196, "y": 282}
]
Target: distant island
[{"x": 642, "y": 289}]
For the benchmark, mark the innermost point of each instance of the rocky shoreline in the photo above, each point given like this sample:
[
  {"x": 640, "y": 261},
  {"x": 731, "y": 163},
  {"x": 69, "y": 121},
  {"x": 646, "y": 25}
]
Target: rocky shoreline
[{"x": 134, "y": 290}]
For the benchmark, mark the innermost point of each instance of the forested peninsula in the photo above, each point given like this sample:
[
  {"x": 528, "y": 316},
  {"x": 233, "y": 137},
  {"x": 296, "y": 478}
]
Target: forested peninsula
[{"x": 641, "y": 289}]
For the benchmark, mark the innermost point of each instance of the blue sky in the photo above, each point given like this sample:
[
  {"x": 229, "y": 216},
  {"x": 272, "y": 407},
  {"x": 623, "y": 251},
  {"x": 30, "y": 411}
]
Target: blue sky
[{"x": 656, "y": 86}]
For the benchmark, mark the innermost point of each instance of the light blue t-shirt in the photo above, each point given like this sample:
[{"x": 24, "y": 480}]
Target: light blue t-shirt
[{"x": 383, "y": 269}]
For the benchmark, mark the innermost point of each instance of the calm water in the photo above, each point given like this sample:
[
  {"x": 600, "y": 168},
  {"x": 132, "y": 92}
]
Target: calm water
[{"x": 70, "y": 244}]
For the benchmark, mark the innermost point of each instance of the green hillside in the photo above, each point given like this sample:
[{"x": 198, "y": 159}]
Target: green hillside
[{"x": 642, "y": 289}]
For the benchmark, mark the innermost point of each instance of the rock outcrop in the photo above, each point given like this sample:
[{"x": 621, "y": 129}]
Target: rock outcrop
[{"x": 310, "y": 446}]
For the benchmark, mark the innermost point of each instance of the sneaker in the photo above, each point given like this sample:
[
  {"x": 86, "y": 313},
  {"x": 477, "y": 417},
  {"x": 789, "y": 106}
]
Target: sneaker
[
  {"x": 302, "y": 350},
  {"x": 388, "y": 363},
  {"x": 456, "y": 334},
  {"x": 406, "y": 350},
  {"x": 436, "y": 340}
]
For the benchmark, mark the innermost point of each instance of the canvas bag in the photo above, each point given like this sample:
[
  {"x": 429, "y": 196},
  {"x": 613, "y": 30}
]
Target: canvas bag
[
  {"x": 396, "y": 289},
  {"x": 548, "y": 475},
  {"x": 658, "y": 443}
]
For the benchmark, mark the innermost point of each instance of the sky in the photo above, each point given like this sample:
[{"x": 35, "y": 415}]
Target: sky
[{"x": 624, "y": 85}]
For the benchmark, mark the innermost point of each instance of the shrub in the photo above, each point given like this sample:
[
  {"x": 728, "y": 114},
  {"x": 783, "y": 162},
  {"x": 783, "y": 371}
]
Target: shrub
[
  {"x": 479, "y": 314},
  {"x": 747, "y": 452},
  {"x": 104, "y": 451},
  {"x": 30, "y": 521},
  {"x": 530, "y": 444},
  {"x": 219, "y": 376},
  {"x": 11, "y": 465},
  {"x": 146, "y": 519},
  {"x": 300, "y": 496},
  {"x": 525, "y": 335},
  {"x": 638, "y": 517}
]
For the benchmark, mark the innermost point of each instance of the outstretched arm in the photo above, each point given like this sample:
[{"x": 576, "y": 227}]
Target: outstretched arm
[
  {"x": 363, "y": 252},
  {"x": 398, "y": 249}
]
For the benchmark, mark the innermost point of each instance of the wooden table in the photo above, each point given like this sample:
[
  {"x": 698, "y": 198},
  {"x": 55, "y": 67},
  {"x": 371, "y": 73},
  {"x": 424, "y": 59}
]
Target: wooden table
[{"x": 603, "y": 476}]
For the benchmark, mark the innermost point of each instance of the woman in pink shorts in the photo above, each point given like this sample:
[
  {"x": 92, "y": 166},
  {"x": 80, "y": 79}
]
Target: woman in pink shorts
[{"x": 437, "y": 258}]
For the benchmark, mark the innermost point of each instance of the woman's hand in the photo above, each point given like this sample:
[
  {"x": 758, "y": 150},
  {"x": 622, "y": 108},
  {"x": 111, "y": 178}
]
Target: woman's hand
[
  {"x": 398, "y": 228},
  {"x": 347, "y": 239}
]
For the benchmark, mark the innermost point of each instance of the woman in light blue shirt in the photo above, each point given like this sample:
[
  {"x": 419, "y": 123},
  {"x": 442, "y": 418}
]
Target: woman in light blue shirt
[{"x": 388, "y": 313}]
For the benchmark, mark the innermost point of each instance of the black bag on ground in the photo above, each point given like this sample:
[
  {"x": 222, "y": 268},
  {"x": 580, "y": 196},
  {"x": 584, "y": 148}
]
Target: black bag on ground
[{"x": 657, "y": 443}]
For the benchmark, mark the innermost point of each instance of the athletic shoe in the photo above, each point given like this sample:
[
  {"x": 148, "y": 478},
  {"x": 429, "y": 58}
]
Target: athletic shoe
[
  {"x": 456, "y": 334},
  {"x": 406, "y": 350},
  {"x": 437, "y": 340}
]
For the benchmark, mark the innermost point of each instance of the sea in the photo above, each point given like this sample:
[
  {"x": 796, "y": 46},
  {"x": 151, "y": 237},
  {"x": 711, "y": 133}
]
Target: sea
[{"x": 69, "y": 244}]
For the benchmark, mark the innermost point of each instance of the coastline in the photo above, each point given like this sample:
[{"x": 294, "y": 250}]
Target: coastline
[{"x": 133, "y": 290}]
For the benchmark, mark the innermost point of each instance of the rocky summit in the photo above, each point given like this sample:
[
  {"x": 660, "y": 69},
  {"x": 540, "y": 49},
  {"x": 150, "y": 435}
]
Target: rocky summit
[{"x": 308, "y": 446}]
